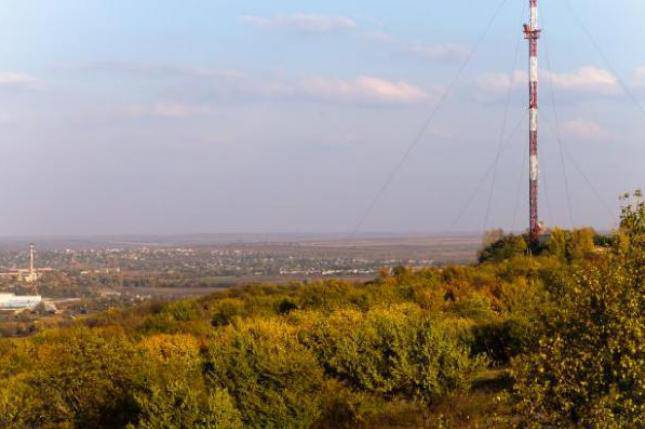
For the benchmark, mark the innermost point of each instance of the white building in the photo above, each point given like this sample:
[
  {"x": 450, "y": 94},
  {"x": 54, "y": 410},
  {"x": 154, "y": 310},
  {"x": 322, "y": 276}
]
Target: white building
[{"x": 10, "y": 301}]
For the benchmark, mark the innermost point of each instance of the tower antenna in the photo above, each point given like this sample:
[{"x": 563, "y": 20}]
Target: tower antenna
[
  {"x": 532, "y": 34},
  {"x": 32, "y": 249}
]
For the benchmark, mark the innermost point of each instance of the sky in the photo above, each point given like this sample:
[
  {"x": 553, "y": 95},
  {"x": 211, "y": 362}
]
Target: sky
[{"x": 212, "y": 116}]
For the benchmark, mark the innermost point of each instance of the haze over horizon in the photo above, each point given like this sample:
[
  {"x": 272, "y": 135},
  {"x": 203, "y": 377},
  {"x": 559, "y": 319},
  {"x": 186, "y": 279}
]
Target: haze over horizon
[{"x": 173, "y": 118}]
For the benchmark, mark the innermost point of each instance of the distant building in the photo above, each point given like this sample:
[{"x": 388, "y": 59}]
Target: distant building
[
  {"x": 29, "y": 275},
  {"x": 10, "y": 301}
]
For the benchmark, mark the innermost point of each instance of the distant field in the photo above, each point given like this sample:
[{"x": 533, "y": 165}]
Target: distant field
[
  {"x": 440, "y": 248},
  {"x": 218, "y": 240}
]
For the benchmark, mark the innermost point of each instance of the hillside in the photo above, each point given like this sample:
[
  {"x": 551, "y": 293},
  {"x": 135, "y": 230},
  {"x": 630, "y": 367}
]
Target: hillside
[{"x": 549, "y": 340}]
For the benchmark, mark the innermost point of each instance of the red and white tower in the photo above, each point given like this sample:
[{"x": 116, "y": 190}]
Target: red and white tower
[{"x": 532, "y": 34}]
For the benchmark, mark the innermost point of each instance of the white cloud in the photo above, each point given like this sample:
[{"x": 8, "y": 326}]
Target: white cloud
[
  {"x": 360, "y": 90},
  {"x": 589, "y": 79},
  {"x": 310, "y": 23},
  {"x": 11, "y": 79},
  {"x": 154, "y": 71},
  {"x": 446, "y": 52},
  {"x": 201, "y": 86},
  {"x": 439, "y": 51},
  {"x": 501, "y": 82},
  {"x": 316, "y": 23},
  {"x": 581, "y": 129},
  {"x": 166, "y": 110},
  {"x": 363, "y": 89}
]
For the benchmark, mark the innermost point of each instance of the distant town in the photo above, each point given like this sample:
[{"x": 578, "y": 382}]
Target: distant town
[{"x": 69, "y": 279}]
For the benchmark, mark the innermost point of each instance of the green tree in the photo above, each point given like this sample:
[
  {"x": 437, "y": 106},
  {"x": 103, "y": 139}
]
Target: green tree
[
  {"x": 557, "y": 243},
  {"x": 588, "y": 370},
  {"x": 505, "y": 248},
  {"x": 581, "y": 244}
]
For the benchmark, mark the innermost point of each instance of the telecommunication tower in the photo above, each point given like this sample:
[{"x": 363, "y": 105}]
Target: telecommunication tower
[{"x": 532, "y": 34}]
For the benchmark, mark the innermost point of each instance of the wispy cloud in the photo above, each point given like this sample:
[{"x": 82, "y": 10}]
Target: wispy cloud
[
  {"x": 316, "y": 23},
  {"x": 202, "y": 87},
  {"x": 433, "y": 52},
  {"x": 582, "y": 129},
  {"x": 154, "y": 71},
  {"x": 17, "y": 80},
  {"x": 498, "y": 83},
  {"x": 166, "y": 110},
  {"x": 310, "y": 23},
  {"x": 589, "y": 79},
  {"x": 365, "y": 89},
  {"x": 438, "y": 51}
]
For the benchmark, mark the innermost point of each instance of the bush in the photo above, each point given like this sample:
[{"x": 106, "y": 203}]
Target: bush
[
  {"x": 345, "y": 408},
  {"x": 89, "y": 380},
  {"x": 275, "y": 381},
  {"x": 175, "y": 395},
  {"x": 226, "y": 310},
  {"x": 572, "y": 245},
  {"x": 475, "y": 306},
  {"x": 392, "y": 352},
  {"x": 503, "y": 340},
  {"x": 182, "y": 311},
  {"x": 331, "y": 295},
  {"x": 286, "y": 306},
  {"x": 505, "y": 248},
  {"x": 178, "y": 405}
]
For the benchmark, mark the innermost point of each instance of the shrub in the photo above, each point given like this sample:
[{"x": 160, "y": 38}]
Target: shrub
[
  {"x": 392, "y": 352},
  {"x": 178, "y": 405},
  {"x": 180, "y": 351},
  {"x": 504, "y": 248},
  {"x": 89, "y": 380},
  {"x": 275, "y": 381},
  {"x": 182, "y": 311},
  {"x": 174, "y": 394},
  {"x": 226, "y": 310},
  {"x": 333, "y": 294},
  {"x": 345, "y": 408},
  {"x": 286, "y": 306},
  {"x": 475, "y": 306},
  {"x": 502, "y": 340},
  {"x": 571, "y": 245}
]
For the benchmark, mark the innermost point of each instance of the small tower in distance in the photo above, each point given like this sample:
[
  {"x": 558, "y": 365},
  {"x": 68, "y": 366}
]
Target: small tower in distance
[
  {"x": 32, "y": 276},
  {"x": 32, "y": 249}
]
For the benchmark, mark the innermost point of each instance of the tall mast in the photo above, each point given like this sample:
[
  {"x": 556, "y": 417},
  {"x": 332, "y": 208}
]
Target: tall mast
[
  {"x": 532, "y": 34},
  {"x": 32, "y": 249}
]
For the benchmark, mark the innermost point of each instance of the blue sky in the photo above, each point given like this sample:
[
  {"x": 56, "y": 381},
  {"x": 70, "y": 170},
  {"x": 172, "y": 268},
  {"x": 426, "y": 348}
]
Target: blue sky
[{"x": 264, "y": 116}]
